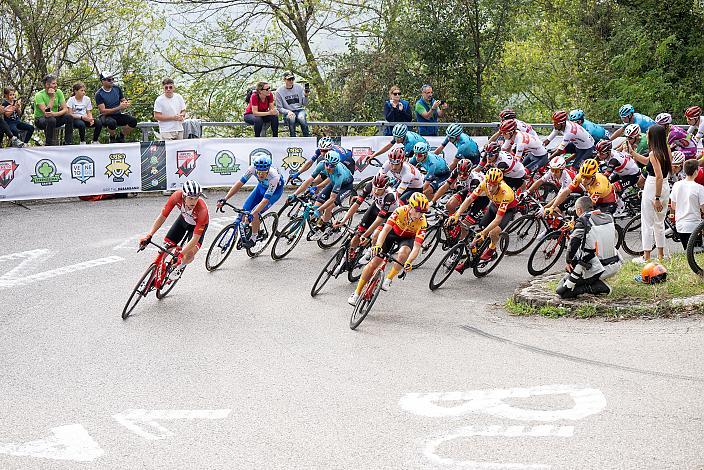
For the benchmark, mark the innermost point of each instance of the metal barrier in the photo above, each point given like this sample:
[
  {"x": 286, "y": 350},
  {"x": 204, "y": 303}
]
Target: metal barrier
[{"x": 379, "y": 125}]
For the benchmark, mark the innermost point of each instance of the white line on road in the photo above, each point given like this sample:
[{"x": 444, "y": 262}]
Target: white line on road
[
  {"x": 43, "y": 276},
  {"x": 28, "y": 258},
  {"x": 135, "y": 419},
  {"x": 69, "y": 442}
]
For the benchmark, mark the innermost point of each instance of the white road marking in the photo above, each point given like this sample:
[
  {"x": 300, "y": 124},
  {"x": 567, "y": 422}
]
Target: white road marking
[
  {"x": 6, "y": 283},
  {"x": 29, "y": 258},
  {"x": 134, "y": 420},
  {"x": 587, "y": 401},
  {"x": 69, "y": 442}
]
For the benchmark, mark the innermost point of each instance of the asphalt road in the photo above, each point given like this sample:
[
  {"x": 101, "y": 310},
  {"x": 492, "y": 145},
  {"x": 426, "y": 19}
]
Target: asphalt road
[{"x": 241, "y": 368}]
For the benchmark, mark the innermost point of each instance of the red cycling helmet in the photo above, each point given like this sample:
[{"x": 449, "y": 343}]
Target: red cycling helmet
[
  {"x": 508, "y": 126},
  {"x": 397, "y": 154},
  {"x": 693, "y": 112},
  {"x": 464, "y": 166},
  {"x": 558, "y": 117},
  {"x": 604, "y": 146},
  {"x": 507, "y": 113},
  {"x": 380, "y": 181},
  {"x": 492, "y": 148}
]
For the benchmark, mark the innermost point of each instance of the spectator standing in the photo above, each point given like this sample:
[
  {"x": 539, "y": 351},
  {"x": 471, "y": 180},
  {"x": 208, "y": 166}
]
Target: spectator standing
[
  {"x": 261, "y": 109},
  {"x": 687, "y": 200},
  {"x": 81, "y": 110},
  {"x": 170, "y": 111},
  {"x": 428, "y": 109},
  {"x": 291, "y": 100},
  {"x": 396, "y": 109},
  {"x": 656, "y": 192},
  {"x": 12, "y": 111},
  {"x": 111, "y": 102},
  {"x": 50, "y": 112}
]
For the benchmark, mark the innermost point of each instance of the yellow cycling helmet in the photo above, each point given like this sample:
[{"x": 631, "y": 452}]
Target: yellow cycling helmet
[
  {"x": 494, "y": 176},
  {"x": 419, "y": 202},
  {"x": 589, "y": 168}
]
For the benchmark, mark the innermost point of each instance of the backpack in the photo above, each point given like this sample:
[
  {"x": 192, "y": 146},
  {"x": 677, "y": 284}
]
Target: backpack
[{"x": 248, "y": 94}]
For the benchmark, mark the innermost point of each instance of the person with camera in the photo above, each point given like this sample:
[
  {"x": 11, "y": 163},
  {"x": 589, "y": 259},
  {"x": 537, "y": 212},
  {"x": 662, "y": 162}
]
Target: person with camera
[
  {"x": 291, "y": 100},
  {"x": 111, "y": 103},
  {"x": 50, "y": 112},
  {"x": 428, "y": 109},
  {"x": 11, "y": 110}
]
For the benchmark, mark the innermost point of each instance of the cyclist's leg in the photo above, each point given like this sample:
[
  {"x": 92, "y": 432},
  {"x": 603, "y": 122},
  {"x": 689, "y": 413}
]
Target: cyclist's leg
[
  {"x": 373, "y": 264},
  {"x": 254, "y": 198},
  {"x": 188, "y": 254},
  {"x": 407, "y": 193},
  {"x": 272, "y": 200},
  {"x": 177, "y": 232},
  {"x": 507, "y": 219},
  {"x": 405, "y": 245}
]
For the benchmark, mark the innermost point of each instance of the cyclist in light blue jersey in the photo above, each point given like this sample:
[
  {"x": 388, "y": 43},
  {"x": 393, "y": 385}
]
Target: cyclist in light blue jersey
[
  {"x": 595, "y": 130},
  {"x": 325, "y": 145},
  {"x": 465, "y": 145},
  {"x": 629, "y": 116},
  {"x": 401, "y": 135},
  {"x": 436, "y": 170}
]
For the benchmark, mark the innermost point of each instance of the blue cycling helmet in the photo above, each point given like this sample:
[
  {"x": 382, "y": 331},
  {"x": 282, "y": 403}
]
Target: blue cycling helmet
[
  {"x": 332, "y": 158},
  {"x": 453, "y": 130},
  {"x": 576, "y": 115},
  {"x": 626, "y": 110},
  {"x": 400, "y": 131},
  {"x": 421, "y": 147},
  {"x": 262, "y": 163}
]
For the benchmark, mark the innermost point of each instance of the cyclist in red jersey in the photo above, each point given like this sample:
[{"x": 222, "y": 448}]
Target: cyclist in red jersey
[{"x": 192, "y": 223}]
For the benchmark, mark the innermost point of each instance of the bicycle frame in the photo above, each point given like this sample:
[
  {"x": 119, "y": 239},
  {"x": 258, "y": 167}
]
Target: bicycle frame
[{"x": 160, "y": 275}]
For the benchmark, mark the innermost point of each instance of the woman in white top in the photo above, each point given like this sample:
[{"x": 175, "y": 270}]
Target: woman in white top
[{"x": 81, "y": 109}]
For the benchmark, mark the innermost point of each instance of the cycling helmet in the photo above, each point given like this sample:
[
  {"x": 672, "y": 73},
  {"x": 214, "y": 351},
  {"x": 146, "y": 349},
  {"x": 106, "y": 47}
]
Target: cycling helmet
[
  {"x": 191, "y": 188},
  {"x": 494, "y": 176},
  {"x": 396, "y": 155},
  {"x": 400, "y": 131},
  {"x": 589, "y": 168},
  {"x": 693, "y": 112},
  {"x": 652, "y": 273},
  {"x": 558, "y": 163},
  {"x": 632, "y": 130},
  {"x": 507, "y": 113},
  {"x": 604, "y": 146},
  {"x": 453, "y": 130},
  {"x": 676, "y": 133},
  {"x": 626, "y": 110},
  {"x": 419, "y": 202},
  {"x": 464, "y": 166},
  {"x": 678, "y": 158},
  {"x": 380, "y": 181},
  {"x": 663, "y": 119},
  {"x": 325, "y": 143},
  {"x": 508, "y": 126},
  {"x": 262, "y": 163},
  {"x": 492, "y": 149},
  {"x": 421, "y": 148},
  {"x": 558, "y": 117},
  {"x": 332, "y": 158},
  {"x": 576, "y": 115}
]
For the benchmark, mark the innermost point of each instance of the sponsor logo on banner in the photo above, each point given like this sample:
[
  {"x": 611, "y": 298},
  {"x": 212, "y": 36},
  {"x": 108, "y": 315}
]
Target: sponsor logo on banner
[
  {"x": 225, "y": 163},
  {"x": 153, "y": 165},
  {"x": 118, "y": 167},
  {"x": 7, "y": 172},
  {"x": 359, "y": 153},
  {"x": 186, "y": 162},
  {"x": 294, "y": 159},
  {"x": 82, "y": 168},
  {"x": 45, "y": 173},
  {"x": 259, "y": 152}
]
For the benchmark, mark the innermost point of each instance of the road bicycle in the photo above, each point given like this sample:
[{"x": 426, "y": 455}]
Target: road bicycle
[
  {"x": 695, "y": 250},
  {"x": 345, "y": 260},
  {"x": 551, "y": 245},
  {"x": 371, "y": 291},
  {"x": 234, "y": 235},
  {"x": 632, "y": 242}
]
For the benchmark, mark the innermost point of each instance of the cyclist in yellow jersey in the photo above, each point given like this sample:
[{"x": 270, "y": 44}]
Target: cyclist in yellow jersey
[
  {"x": 594, "y": 183},
  {"x": 405, "y": 230}
]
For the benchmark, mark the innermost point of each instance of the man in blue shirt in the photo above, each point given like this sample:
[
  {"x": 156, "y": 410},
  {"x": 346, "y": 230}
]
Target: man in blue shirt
[
  {"x": 465, "y": 145},
  {"x": 111, "y": 102},
  {"x": 428, "y": 109},
  {"x": 595, "y": 130},
  {"x": 629, "y": 116}
]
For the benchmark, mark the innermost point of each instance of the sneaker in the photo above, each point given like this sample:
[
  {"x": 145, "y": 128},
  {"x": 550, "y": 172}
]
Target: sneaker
[
  {"x": 316, "y": 235},
  {"x": 352, "y": 299},
  {"x": 176, "y": 273},
  {"x": 15, "y": 142},
  {"x": 639, "y": 260},
  {"x": 83, "y": 143},
  {"x": 488, "y": 253},
  {"x": 386, "y": 284}
]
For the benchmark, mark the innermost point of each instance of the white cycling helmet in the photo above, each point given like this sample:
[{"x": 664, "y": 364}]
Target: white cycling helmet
[
  {"x": 677, "y": 158},
  {"x": 191, "y": 188},
  {"x": 663, "y": 119},
  {"x": 558, "y": 163},
  {"x": 325, "y": 143},
  {"x": 632, "y": 130}
]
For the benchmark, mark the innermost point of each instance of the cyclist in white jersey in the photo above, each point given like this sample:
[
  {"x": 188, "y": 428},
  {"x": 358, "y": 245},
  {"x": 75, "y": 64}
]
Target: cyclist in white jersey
[
  {"x": 409, "y": 178},
  {"x": 526, "y": 147},
  {"x": 575, "y": 139},
  {"x": 508, "y": 113}
]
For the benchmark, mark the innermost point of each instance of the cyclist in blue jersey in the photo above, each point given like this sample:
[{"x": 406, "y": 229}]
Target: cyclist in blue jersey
[
  {"x": 629, "y": 116},
  {"x": 465, "y": 145},
  {"x": 401, "y": 135},
  {"x": 269, "y": 189},
  {"x": 436, "y": 170},
  {"x": 595, "y": 130},
  {"x": 339, "y": 187},
  {"x": 325, "y": 145}
]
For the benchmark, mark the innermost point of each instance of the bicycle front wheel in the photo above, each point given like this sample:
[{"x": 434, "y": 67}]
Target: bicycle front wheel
[
  {"x": 430, "y": 243},
  {"x": 267, "y": 230},
  {"x": 695, "y": 250},
  {"x": 366, "y": 299},
  {"x": 481, "y": 268},
  {"x": 328, "y": 271},
  {"x": 632, "y": 242},
  {"x": 447, "y": 266},
  {"x": 221, "y": 247},
  {"x": 546, "y": 253},
  {"x": 287, "y": 238},
  {"x": 334, "y": 235},
  {"x": 168, "y": 285},
  {"x": 140, "y": 290},
  {"x": 290, "y": 210},
  {"x": 522, "y": 233}
]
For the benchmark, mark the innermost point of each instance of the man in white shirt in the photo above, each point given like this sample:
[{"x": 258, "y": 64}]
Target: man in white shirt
[
  {"x": 170, "y": 111},
  {"x": 687, "y": 202}
]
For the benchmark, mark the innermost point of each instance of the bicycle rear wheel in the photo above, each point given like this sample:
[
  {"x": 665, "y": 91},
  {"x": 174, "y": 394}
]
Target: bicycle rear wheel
[
  {"x": 366, "y": 299},
  {"x": 334, "y": 235},
  {"x": 632, "y": 242},
  {"x": 267, "y": 230},
  {"x": 221, "y": 247},
  {"x": 328, "y": 270},
  {"x": 546, "y": 253},
  {"x": 695, "y": 250},
  {"x": 290, "y": 210},
  {"x": 447, "y": 265},
  {"x": 482, "y": 268},
  {"x": 354, "y": 267},
  {"x": 168, "y": 285},
  {"x": 287, "y": 238},
  {"x": 140, "y": 290},
  {"x": 430, "y": 243},
  {"x": 522, "y": 233}
]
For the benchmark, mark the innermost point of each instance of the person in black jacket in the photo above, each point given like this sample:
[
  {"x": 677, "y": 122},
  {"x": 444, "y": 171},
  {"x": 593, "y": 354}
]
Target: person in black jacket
[{"x": 396, "y": 109}]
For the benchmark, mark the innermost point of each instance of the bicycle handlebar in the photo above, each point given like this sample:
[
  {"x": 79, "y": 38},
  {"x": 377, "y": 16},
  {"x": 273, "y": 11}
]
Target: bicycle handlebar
[{"x": 161, "y": 248}]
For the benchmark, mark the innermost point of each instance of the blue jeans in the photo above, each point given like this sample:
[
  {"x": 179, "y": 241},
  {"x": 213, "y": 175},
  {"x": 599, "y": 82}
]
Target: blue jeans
[
  {"x": 300, "y": 118},
  {"x": 18, "y": 126}
]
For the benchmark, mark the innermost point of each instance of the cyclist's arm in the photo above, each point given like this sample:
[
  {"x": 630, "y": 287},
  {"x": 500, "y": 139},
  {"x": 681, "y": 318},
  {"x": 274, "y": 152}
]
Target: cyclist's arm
[
  {"x": 466, "y": 203},
  {"x": 617, "y": 133},
  {"x": 439, "y": 150},
  {"x": 536, "y": 184},
  {"x": 495, "y": 136},
  {"x": 305, "y": 185},
  {"x": 351, "y": 211},
  {"x": 383, "y": 149},
  {"x": 560, "y": 198},
  {"x": 383, "y": 234},
  {"x": 306, "y": 166},
  {"x": 157, "y": 224},
  {"x": 441, "y": 190},
  {"x": 234, "y": 189},
  {"x": 377, "y": 222}
]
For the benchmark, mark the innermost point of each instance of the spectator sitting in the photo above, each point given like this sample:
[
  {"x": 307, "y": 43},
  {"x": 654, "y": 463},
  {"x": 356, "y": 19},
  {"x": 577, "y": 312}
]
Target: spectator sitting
[
  {"x": 12, "y": 111},
  {"x": 111, "y": 102},
  {"x": 687, "y": 200},
  {"x": 291, "y": 99},
  {"x": 428, "y": 109},
  {"x": 81, "y": 110},
  {"x": 591, "y": 254},
  {"x": 396, "y": 109},
  {"x": 170, "y": 111},
  {"x": 50, "y": 112},
  {"x": 261, "y": 109}
]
